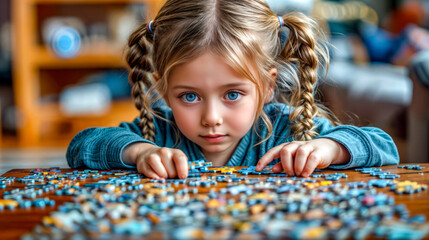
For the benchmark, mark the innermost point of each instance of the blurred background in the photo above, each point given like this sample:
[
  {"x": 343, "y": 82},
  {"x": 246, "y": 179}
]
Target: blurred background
[{"x": 62, "y": 69}]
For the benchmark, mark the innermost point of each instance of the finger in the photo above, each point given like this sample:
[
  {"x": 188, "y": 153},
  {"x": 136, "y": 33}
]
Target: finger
[
  {"x": 287, "y": 154},
  {"x": 312, "y": 163},
  {"x": 166, "y": 159},
  {"x": 145, "y": 169},
  {"x": 148, "y": 172},
  {"x": 181, "y": 162},
  {"x": 155, "y": 163},
  {"x": 277, "y": 168},
  {"x": 268, "y": 157},
  {"x": 301, "y": 157}
]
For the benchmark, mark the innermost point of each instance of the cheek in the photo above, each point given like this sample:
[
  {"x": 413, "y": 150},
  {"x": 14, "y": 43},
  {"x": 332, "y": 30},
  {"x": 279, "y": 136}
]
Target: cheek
[
  {"x": 184, "y": 118},
  {"x": 243, "y": 118}
]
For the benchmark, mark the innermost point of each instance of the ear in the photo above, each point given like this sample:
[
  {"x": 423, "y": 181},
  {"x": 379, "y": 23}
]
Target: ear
[
  {"x": 156, "y": 78},
  {"x": 273, "y": 73},
  {"x": 270, "y": 89}
]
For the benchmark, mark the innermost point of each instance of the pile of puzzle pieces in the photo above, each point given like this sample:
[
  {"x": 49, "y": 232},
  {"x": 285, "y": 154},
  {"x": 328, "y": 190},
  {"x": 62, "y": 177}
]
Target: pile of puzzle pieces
[{"x": 215, "y": 203}]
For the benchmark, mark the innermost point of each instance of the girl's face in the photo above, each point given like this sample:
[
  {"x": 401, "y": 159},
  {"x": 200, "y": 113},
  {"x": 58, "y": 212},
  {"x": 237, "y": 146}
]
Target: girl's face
[{"x": 213, "y": 106}]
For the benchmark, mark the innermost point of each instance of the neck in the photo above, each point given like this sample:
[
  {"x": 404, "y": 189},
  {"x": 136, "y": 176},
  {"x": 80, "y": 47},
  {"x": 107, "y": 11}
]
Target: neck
[{"x": 218, "y": 159}]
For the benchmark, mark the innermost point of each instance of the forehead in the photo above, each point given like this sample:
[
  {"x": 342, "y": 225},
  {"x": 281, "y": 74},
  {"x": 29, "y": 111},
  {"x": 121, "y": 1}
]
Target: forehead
[{"x": 208, "y": 66}]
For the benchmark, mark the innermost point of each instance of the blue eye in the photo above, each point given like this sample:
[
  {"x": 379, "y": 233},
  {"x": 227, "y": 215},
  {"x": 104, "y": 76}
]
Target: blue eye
[
  {"x": 189, "y": 97},
  {"x": 233, "y": 95}
]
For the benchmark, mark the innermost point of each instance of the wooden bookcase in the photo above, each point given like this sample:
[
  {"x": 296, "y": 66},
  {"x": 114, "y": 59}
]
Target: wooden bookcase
[{"x": 41, "y": 122}]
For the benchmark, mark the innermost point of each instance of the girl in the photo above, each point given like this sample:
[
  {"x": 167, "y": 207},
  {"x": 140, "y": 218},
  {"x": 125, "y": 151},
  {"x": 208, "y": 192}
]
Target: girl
[{"x": 232, "y": 83}]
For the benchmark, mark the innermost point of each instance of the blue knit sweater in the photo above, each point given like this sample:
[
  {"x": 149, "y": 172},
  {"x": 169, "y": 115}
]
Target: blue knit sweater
[{"x": 101, "y": 148}]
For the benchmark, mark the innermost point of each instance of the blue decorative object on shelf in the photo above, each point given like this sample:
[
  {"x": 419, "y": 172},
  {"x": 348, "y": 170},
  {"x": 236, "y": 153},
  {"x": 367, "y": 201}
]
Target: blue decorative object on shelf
[{"x": 66, "y": 42}]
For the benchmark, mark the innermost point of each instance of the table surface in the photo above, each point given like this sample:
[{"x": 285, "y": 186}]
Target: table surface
[{"x": 14, "y": 223}]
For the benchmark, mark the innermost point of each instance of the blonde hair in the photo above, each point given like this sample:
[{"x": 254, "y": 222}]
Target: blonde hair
[{"x": 238, "y": 31}]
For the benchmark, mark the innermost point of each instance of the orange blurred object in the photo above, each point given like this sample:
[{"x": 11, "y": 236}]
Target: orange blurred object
[{"x": 412, "y": 12}]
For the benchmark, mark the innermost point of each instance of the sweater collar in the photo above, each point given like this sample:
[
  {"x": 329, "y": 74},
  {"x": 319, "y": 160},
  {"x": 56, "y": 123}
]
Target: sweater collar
[{"x": 239, "y": 153}]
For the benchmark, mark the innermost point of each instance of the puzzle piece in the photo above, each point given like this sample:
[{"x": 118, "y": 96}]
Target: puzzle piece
[{"x": 125, "y": 202}]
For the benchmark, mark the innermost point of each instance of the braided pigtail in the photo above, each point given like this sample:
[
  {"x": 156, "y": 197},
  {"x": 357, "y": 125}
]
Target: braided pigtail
[
  {"x": 139, "y": 58},
  {"x": 303, "y": 50}
]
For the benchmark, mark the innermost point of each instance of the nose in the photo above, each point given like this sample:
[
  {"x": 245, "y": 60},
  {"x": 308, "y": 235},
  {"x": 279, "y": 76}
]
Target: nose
[{"x": 211, "y": 115}]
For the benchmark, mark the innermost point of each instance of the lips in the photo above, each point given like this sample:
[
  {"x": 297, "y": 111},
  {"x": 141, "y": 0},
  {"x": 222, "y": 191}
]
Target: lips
[{"x": 213, "y": 137}]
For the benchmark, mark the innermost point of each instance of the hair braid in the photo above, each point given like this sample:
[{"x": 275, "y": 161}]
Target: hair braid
[
  {"x": 302, "y": 49},
  {"x": 139, "y": 58}
]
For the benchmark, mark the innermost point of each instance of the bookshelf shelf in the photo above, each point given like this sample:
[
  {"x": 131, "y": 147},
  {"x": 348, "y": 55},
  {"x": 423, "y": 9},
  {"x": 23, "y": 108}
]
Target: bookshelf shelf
[{"x": 37, "y": 69}]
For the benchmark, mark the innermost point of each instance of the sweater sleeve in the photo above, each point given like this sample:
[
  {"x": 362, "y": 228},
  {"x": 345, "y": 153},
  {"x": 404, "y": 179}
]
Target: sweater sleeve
[
  {"x": 368, "y": 146},
  {"x": 101, "y": 148}
]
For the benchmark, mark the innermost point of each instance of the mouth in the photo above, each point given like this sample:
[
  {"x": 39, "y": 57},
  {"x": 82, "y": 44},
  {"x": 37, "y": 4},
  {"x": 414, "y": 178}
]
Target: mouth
[{"x": 213, "y": 137}]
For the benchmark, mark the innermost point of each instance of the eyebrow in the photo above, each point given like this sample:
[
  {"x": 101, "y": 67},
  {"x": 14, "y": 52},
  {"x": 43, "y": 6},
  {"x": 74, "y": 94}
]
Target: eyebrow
[{"x": 230, "y": 85}]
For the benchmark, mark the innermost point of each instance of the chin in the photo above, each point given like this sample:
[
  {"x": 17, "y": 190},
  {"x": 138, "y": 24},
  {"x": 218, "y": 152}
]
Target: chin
[{"x": 214, "y": 149}]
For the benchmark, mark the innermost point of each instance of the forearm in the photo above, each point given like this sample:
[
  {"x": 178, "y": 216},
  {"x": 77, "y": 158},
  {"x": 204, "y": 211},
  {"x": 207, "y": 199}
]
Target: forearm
[
  {"x": 367, "y": 146},
  {"x": 131, "y": 152},
  {"x": 343, "y": 155},
  {"x": 100, "y": 148}
]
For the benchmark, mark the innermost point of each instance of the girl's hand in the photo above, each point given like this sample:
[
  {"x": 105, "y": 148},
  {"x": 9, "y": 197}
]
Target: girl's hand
[
  {"x": 157, "y": 162},
  {"x": 300, "y": 158}
]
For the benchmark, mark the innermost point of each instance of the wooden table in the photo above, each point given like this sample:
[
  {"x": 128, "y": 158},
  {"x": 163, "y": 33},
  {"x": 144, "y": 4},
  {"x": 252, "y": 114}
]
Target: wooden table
[{"x": 14, "y": 223}]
